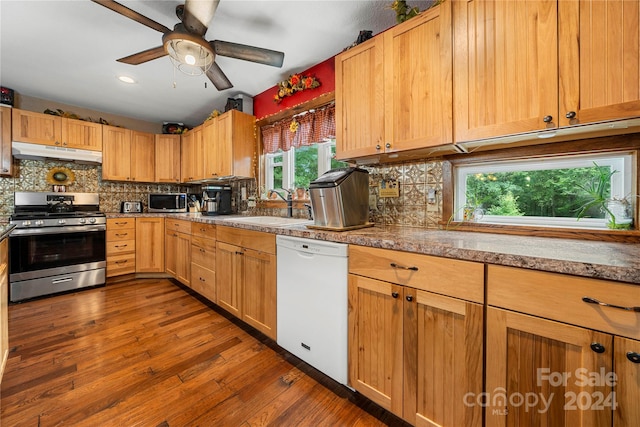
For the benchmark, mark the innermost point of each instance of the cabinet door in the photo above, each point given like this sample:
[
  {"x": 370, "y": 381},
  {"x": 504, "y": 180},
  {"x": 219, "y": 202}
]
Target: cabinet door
[
  {"x": 167, "y": 158},
  {"x": 192, "y": 152},
  {"x": 418, "y": 84},
  {"x": 259, "y": 291},
  {"x": 81, "y": 134},
  {"x": 209, "y": 143},
  {"x": 150, "y": 245},
  {"x": 239, "y": 139},
  {"x": 228, "y": 277},
  {"x": 170, "y": 253},
  {"x": 183, "y": 258},
  {"x": 541, "y": 372},
  {"x": 599, "y": 64},
  {"x": 360, "y": 100},
  {"x": 223, "y": 146},
  {"x": 36, "y": 127},
  {"x": 116, "y": 153},
  {"x": 443, "y": 359},
  {"x": 6, "y": 160},
  {"x": 626, "y": 363},
  {"x": 375, "y": 341},
  {"x": 505, "y": 67},
  {"x": 143, "y": 157}
]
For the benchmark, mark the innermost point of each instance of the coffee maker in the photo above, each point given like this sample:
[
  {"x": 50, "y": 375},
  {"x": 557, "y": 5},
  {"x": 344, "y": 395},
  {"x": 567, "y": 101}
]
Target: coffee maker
[{"x": 216, "y": 200}]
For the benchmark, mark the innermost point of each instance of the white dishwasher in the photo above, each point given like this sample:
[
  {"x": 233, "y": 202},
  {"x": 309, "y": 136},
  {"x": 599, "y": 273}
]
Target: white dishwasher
[{"x": 312, "y": 302}]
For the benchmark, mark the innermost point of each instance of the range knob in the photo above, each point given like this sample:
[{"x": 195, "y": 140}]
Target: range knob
[
  {"x": 82, "y": 220},
  {"x": 62, "y": 221},
  {"x": 26, "y": 223},
  {"x": 92, "y": 220},
  {"x": 39, "y": 222}
]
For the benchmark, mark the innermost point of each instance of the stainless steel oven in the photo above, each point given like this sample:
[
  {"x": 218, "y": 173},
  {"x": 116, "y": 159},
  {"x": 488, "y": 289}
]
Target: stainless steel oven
[{"x": 56, "y": 246}]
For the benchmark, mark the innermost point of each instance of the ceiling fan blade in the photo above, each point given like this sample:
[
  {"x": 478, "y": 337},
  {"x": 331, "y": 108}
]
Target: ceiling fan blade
[
  {"x": 198, "y": 14},
  {"x": 132, "y": 14},
  {"x": 218, "y": 78},
  {"x": 144, "y": 56},
  {"x": 248, "y": 53}
]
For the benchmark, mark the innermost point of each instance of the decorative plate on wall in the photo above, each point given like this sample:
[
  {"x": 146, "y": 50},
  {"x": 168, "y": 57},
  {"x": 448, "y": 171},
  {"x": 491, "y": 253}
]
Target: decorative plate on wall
[{"x": 60, "y": 176}]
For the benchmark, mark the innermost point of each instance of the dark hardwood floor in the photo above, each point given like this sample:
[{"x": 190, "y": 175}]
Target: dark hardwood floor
[{"x": 150, "y": 353}]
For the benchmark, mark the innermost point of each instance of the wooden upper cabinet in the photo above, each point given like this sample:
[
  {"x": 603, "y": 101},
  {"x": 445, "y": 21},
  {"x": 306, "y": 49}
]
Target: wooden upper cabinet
[
  {"x": 116, "y": 153},
  {"x": 6, "y": 161},
  {"x": 81, "y": 134},
  {"x": 167, "y": 154},
  {"x": 46, "y": 129},
  {"x": 192, "y": 155},
  {"x": 599, "y": 65},
  {"x": 418, "y": 81},
  {"x": 359, "y": 100},
  {"x": 36, "y": 128},
  {"x": 394, "y": 92},
  {"x": 505, "y": 67},
  {"x": 209, "y": 142},
  {"x": 143, "y": 150}
]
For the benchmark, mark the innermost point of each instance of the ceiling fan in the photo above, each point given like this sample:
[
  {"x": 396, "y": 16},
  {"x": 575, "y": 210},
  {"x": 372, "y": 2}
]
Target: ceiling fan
[{"x": 186, "y": 46}]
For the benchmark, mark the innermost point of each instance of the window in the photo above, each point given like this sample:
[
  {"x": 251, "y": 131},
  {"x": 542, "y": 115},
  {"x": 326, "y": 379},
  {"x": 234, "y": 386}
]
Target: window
[
  {"x": 297, "y": 167},
  {"x": 548, "y": 192}
]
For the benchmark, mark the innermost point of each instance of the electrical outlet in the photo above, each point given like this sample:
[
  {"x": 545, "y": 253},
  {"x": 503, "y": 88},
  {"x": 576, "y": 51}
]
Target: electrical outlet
[
  {"x": 251, "y": 203},
  {"x": 373, "y": 202},
  {"x": 431, "y": 195}
]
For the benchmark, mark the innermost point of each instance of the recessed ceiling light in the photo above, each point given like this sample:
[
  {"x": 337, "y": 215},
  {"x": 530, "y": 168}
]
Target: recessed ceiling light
[{"x": 126, "y": 79}]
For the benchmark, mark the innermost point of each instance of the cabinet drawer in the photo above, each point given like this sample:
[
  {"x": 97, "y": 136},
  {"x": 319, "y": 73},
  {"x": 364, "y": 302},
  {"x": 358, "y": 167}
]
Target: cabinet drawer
[
  {"x": 257, "y": 240},
  {"x": 178, "y": 225},
  {"x": 121, "y": 234},
  {"x": 203, "y": 252},
  {"x": 121, "y": 247},
  {"x": 203, "y": 281},
  {"x": 121, "y": 223},
  {"x": 559, "y": 297},
  {"x": 456, "y": 278},
  {"x": 121, "y": 264},
  {"x": 203, "y": 230}
]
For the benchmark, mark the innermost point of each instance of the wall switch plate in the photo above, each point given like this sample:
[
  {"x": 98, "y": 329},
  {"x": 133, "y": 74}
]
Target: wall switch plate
[
  {"x": 373, "y": 202},
  {"x": 431, "y": 195},
  {"x": 243, "y": 193},
  {"x": 251, "y": 203}
]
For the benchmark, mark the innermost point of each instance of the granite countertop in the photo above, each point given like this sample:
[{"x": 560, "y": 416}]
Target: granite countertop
[{"x": 602, "y": 260}]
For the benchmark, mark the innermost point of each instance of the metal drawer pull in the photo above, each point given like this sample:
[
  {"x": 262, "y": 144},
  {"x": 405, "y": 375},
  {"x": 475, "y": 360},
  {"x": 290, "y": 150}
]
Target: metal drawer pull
[
  {"x": 402, "y": 267},
  {"x": 66, "y": 279},
  {"x": 633, "y": 356},
  {"x": 589, "y": 300}
]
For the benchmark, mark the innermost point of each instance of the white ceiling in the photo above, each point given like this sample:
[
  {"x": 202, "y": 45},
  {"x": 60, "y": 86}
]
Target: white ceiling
[{"x": 66, "y": 51}]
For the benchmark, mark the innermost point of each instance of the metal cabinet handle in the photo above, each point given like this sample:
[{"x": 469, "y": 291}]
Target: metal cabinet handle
[
  {"x": 378, "y": 147},
  {"x": 387, "y": 145},
  {"x": 409, "y": 298},
  {"x": 570, "y": 115},
  {"x": 402, "y": 267},
  {"x": 124, "y": 261},
  {"x": 121, "y": 235},
  {"x": 547, "y": 119},
  {"x": 597, "y": 347},
  {"x": 394, "y": 294},
  {"x": 633, "y": 357},
  {"x": 121, "y": 246},
  {"x": 590, "y": 300}
]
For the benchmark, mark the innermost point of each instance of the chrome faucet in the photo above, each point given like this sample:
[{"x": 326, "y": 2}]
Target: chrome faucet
[{"x": 288, "y": 199}]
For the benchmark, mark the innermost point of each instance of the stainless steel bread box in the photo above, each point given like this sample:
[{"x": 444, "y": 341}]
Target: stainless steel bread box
[{"x": 340, "y": 198}]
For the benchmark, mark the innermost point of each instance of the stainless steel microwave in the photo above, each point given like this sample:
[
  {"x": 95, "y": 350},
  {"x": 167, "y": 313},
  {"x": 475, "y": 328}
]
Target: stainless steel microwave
[{"x": 167, "y": 202}]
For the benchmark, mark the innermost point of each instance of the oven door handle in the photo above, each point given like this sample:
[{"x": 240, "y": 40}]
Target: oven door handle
[{"x": 58, "y": 230}]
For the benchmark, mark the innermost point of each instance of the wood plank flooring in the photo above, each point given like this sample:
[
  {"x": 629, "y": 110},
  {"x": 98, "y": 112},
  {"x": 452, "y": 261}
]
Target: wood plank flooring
[{"x": 151, "y": 353}]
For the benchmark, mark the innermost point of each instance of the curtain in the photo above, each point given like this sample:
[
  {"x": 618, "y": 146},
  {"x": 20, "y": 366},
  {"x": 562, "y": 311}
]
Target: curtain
[{"x": 312, "y": 126}]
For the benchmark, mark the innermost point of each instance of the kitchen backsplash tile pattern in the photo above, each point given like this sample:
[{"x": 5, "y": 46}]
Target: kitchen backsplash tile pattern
[{"x": 411, "y": 208}]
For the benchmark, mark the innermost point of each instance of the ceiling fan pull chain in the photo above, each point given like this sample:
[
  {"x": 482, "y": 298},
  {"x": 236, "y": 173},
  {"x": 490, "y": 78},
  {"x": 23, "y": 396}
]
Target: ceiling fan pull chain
[{"x": 174, "y": 77}]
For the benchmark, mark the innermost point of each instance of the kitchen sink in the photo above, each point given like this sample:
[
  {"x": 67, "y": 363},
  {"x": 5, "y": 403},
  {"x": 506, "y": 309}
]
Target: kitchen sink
[{"x": 269, "y": 221}]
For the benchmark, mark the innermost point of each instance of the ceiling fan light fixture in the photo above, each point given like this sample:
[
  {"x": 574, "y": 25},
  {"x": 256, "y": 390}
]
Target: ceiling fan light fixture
[{"x": 190, "y": 54}]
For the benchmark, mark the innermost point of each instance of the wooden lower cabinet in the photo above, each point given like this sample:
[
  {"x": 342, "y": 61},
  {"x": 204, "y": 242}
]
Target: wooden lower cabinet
[
  {"x": 203, "y": 260},
  {"x": 416, "y": 353},
  {"x": 246, "y": 277},
  {"x": 554, "y": 359},
  {"x": 177, "y": 250},
  {"x": 121, "y": 246},
  {"x": 150, "y": 235}
]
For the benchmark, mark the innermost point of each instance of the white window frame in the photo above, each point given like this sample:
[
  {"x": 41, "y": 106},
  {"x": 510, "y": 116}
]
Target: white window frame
[
  {"x": 622, "y": 185},
  {"x": 288, "y": 165}
]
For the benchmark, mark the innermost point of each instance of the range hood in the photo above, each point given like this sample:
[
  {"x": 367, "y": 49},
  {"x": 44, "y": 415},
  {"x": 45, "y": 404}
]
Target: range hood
[{"x": 24, "y": 150}]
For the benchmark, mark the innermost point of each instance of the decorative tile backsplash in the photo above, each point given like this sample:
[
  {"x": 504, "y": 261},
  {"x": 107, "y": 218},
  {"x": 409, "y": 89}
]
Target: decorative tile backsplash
[{"x": 411, "y": 208}]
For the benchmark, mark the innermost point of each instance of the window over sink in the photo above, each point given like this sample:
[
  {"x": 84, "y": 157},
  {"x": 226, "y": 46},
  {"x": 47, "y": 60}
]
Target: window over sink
[{"x": 550, "y": 191}]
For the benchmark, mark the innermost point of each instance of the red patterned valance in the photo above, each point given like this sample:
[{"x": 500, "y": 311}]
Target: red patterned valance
[{"x": 312, "y": 126}]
